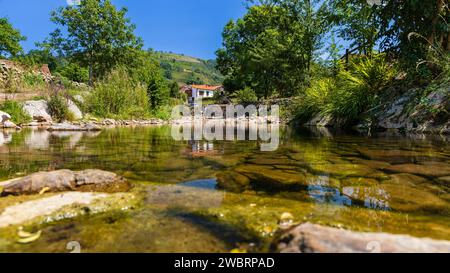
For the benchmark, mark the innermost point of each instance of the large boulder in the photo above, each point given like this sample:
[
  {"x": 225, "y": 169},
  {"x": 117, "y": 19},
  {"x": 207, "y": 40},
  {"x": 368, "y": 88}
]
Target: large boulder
[
  {"x": 66, "y": 180},
  {"x": 310, "y": 238},
  {"x": 38, "y": 110},
  {"x": 74, "y": 110}
]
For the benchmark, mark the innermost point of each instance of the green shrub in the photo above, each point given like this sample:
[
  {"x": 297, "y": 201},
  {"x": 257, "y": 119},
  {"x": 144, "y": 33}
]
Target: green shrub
[
  {"x": 162, "y": 112},
  {"x": 316, "y": 99},
  {"x": 15, "y": 109},
  {"x": 351, "y": 93},
  {"x": 74, "y": 72},
  {"x": 57, "y": 106},
  {"x": 246, "y": 96},
  {"x": 117, "y": 95}
]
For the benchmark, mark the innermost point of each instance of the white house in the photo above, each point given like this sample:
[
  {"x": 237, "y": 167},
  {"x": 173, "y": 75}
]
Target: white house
[{"x": 201, "y": 91}]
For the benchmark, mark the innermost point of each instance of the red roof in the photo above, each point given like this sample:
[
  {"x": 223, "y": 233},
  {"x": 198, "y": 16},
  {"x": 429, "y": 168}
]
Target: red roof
[{"x": 207, "y": 87}]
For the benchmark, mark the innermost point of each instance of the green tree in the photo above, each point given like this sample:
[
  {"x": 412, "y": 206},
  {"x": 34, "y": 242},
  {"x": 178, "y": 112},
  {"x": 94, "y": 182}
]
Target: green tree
[
  {"x": 356, "y": 22},
  {"x": 99, "y": 36},
  {"x": 390, "y": 24},
  {"x": 145, "y": 70},
  {"x": 174, "y": 90},
  {"x": 272, "y": 47},
  {"x": 10, "y": 39}
]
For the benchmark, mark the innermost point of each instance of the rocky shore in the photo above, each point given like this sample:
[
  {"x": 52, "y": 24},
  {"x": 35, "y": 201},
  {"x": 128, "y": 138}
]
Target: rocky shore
[{"x": 411, "y": 112}]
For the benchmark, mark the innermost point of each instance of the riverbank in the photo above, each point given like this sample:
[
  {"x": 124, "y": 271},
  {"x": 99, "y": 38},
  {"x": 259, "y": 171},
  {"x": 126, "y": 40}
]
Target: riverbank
[{"x": 415, "y": 110}]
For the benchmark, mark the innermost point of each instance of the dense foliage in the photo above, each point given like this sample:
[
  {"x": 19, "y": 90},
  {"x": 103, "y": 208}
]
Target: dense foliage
[
  {"x": 96, "y": 35},
  {"x": 271, "y": 49},
  {"x": 10, "y": 39}
]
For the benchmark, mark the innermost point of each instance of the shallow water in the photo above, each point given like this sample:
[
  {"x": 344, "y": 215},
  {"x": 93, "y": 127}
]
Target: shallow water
[{"x": 217, "y": 196}]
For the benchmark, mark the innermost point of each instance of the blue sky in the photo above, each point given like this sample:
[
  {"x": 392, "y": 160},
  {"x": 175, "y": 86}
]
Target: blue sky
[{"x": 191, "y": 27}]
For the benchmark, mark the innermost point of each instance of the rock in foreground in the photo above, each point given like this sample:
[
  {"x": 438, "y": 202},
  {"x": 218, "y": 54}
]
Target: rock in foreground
[
  {"x": 29, "y": 210},
  {"x": 66, "y": 180},
  {"x": 310, "y": 238}
]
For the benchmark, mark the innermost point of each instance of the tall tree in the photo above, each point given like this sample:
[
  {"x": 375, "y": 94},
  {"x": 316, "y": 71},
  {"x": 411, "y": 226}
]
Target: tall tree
[
  {"x": 356, "y": 22},
  {"x": 389, "y": 24},
  {"x": 10, "y": 39},
  {"x": 399, "y": 18},
  {"x": 99, "y": 36},
  {"x": 272, "y": 47}
]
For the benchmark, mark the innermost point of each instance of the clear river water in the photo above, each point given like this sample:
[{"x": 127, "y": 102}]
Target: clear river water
[{"x": 216, "y": 196}]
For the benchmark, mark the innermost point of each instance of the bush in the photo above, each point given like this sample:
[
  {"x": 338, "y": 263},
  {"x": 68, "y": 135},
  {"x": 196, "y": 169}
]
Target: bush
[
  {"x": 15, "y": 109},
  {"x": 316, "y": 99},
  {"x": 350, "y": 94},
  {"x": 74, "y": 72},
  {"x": 246, "y": 96},
  {"x": 57, "y": 106},
  {"x": 117, "y": 95},
  {"x": 162, "y": 112}
]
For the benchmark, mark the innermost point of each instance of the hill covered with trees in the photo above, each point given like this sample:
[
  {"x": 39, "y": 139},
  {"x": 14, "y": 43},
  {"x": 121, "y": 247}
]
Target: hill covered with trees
[{"x": 188, "y": 70}]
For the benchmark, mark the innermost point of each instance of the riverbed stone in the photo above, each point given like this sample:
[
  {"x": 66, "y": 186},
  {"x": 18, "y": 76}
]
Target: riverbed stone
[
  {"x": 67, "y": 180},
  {"x": 311, "y": 238},
  {"x": 38, "y": 110},
  {"x": 434, "y": 169},
  {"x": 375, "y": 164},
  {"x": 232, "y": 181},
  {"x": 445, "y": 180},
  {"x": 26, "y": 211},
  {"x": 266, "y": 174},
  {"x": 347, "y": 170}
]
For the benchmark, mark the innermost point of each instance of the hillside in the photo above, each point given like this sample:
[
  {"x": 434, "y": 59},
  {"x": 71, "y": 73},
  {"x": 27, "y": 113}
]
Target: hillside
[{"x": 188, "y": 70}]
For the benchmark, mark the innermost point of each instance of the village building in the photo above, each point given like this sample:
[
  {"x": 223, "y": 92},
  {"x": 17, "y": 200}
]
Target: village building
[{"x": 200, "y": 91}]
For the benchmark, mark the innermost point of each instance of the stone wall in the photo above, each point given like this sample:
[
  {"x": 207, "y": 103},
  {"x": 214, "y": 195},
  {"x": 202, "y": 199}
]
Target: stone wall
[{"x": 9, "y": 68}]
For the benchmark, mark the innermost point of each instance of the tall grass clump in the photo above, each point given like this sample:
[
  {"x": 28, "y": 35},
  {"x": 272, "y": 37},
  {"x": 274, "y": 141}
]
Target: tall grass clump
[
  {"x": 15, "y": 109},
  {"x": 349, "y": 94},
  {"x": 32, "y": 80},
  {"x": 117, "y": 95}
]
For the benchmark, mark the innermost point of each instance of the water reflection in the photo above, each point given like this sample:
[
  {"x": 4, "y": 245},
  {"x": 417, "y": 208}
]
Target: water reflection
[
  {"x": 320, "y": 190},
  {"x": 319, "y": 175}
]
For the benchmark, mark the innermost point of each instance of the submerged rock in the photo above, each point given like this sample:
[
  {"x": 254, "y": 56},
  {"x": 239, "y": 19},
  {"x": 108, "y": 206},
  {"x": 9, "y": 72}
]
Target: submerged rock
[
  {"x": 29, "y": 210},
  {"x": 266, "y": 174},
  {"x": 347, "y": 170},
  {"x": 310, "y": 238},
  {"x": 232, "y": 181},
  {"x": 66, "y": 180},
  {"x": 434, "y": 169}
]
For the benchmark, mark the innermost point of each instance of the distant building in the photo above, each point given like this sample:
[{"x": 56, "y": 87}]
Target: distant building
[{"x": 200, "y": 91}]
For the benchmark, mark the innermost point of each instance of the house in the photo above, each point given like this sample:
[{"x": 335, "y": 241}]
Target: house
[{"x": 200, "y": 91}]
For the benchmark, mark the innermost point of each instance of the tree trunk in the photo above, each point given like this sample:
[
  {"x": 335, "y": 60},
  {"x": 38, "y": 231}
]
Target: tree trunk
[
  {"x": 435, "y": 21},
  {"x": 90, "y": 75}
]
